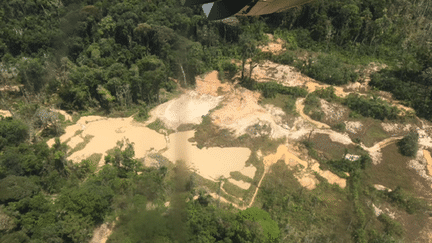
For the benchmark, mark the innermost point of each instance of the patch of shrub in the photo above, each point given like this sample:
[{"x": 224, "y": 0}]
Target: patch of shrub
[
  {"x": 341, "y": 127},
  {"x": 391, "y": 227},
  {"x": 317, "y": 115},
  {"x": 375, "y": 107},
  {"x": 286, "y": 58},
  {"x": 329, "y": 69},
  {"x": 406, "y": 201},
  {"x": 408, "y": 145},
  {"x": 270, "y": 89},
  {"x": 12, "y": 132}
]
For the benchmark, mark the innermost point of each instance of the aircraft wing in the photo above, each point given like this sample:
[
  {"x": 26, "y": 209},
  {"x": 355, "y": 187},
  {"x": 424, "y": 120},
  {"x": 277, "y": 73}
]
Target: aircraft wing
[{"x": 221, "y": 9}]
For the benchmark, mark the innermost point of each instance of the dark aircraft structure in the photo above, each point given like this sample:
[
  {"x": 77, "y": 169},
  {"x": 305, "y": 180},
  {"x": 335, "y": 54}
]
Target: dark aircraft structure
[{"x": 222, "y": 9}]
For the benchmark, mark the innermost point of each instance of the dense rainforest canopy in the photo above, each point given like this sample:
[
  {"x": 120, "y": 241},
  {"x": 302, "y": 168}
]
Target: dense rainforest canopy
[{"x": 117, "y": 55}]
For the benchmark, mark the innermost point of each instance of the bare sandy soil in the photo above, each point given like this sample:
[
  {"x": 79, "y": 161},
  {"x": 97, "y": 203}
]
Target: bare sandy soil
[
  {"x": 106, "y": 132},
  {"x": 274, "y": 46},
  {"x": 428, "y": 158},
  {"x": 189, "y": 108},
  {"x": 5, "y": 113},
  {"x": 101, "y": 233},
  {"x": 299, "y": 109},
  {"x": 211, "y": 163},
  {"x": 305, "y": 177}
]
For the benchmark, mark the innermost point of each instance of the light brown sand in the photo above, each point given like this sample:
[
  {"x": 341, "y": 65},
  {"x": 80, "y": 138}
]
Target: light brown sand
[
  {"x": 241, "y": 184},
  {"x": 299, "y": 109},
  {"x": 211, "y": 163},
  {"x": 428, "y": 158},
  {"x": 5, "y": 113},
  {"x": 106, "y": 137}
]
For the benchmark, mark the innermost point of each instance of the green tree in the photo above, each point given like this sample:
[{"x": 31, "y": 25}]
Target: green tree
[
  {"x": 14, "y": 188},
  {"x": 12, "y": 132},
  {"x": 256, "y": 226},
  {"x": 408, "y": 145}
]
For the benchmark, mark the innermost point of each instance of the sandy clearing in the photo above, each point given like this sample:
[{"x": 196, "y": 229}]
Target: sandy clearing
[
  {"x": 381, "y": 187},
  {"x": 241, "y": 184},
  {"x": 273, "y": 46},
  {"x": 333, "y": 111},
  {"x": 13, "y": 88},
  {"x": 428, "y": 158},
  {"x": 210, "y": 84},
  {"x": 283, "y": 153},
  {"x": 101, "y": 233},
  {"x": 188, "y": 108},
  {"x": 5, "y": 113},
  {"x": 106, "y": 134},
  {"x": 329, "y": 176},
  {"x": 249, "y": 171},
  {"x": 305, "y": 178},
  {"x": 353, "y": 127},
  {"x": 352, "y": 157},
  {"x": 299, "y": 109},
  {"x": 211, "y": 163}
]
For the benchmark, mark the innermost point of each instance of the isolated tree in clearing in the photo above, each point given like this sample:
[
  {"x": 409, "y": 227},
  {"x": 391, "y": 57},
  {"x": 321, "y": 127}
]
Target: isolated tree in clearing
[{"x": 408, "y": 145}]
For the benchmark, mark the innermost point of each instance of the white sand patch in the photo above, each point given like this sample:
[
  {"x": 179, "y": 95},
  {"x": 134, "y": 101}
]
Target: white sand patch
[
  {"x": 333, "y": 112},
  {"x": 381, "y": 188},
  {"x": 353, "y": 126},
  {"x": 5, "y": 113},
  {"x": 377, "y": 211},
  {"x": 13, "y": 88},
  {"x": 352, "y": 157},
  {"x": 211, "y": 163},
  {"x": 188, "y": 108},
  {"x": 243, "y": 185}
]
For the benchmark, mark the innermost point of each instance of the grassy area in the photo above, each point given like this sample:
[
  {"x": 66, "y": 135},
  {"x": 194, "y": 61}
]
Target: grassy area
[
  {"x": 320, "y": 215},
  {"x": 81, "y": 145},
  {"x": 234, "y": 190},
  {"x": 371, "y": 132},
  {"x": 285, "y": 102},
  {"x": 94, "y": 161},
  {"x": 186, "y": 127},
  {"x": 240, "y": 177},
  {"x": 157, "y": 125}
]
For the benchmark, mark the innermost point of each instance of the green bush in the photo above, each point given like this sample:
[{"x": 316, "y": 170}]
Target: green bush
[
  {"x": 408, "y": 145},
  {"x": 373, "y": 107},
  {"x": 14, "y": 188},
  {"x": 12, "y": 132},
  {"x": 329, "y": 69},
  {"x": 391, "y": 227},
  {"x": 286, "y": 58},
  {"x": 341, "y": 127},
  {"x": 317, "y": 115}
]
